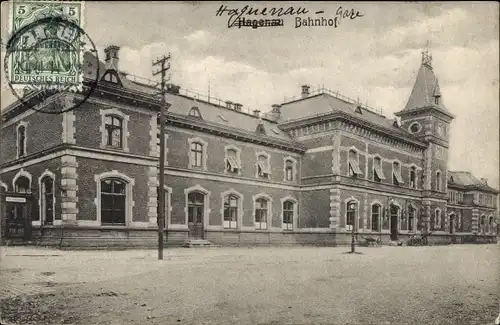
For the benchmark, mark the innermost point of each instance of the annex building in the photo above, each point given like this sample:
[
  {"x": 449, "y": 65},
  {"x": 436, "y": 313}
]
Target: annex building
[{"x": 306, "y": 172}]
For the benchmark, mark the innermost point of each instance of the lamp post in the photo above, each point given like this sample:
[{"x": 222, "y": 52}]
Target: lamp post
[
  {"x": 351, "y": 210},
  {"x": 353, "y": 240}
]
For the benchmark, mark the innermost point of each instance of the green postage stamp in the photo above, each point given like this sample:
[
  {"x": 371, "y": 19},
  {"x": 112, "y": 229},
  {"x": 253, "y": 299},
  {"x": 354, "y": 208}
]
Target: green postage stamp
[{"x": 45, "y": 50}]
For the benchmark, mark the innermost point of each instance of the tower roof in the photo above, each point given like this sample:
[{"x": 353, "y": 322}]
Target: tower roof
[{"x": 426, "y": 88}]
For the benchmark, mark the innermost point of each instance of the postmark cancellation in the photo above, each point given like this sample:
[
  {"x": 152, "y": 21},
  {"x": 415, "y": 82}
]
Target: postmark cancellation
[{"x": 45, "y": 46}]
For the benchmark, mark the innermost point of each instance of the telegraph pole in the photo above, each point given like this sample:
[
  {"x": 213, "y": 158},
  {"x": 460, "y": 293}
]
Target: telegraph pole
[{"x": 164, "y": 67}]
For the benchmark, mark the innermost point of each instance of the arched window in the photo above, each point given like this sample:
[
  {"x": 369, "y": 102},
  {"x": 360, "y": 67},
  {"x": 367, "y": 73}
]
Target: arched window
[
  {"x": 21, "y": 141},
  {"x": 261, "y": 213},
  {"x": 413, "y": 177},
  {"x": 438, "y": 181},
  {"x": 230, "y": 211},
  {"x": 491, "y": 225},
  {"x": 288, "y": 211},
  {"x": 437, "y": 219},
  {"x": 411, "y": 218},
  {"x": 482, "y": 223},
  {"x": 114, "y": 131},
  {"x": 113, "y": 201},
  {"x": 289, "y": 170},
  {"x": 47, "y": 200},
  {"x": 196, "y": 154},
  {"x": 22, "y": 185},
  {"x": 3, "y": 187},
  {"x": 376, "y": 211},
  {"x": 459, "y": 221},
  {"x": 352, "y": 207}
]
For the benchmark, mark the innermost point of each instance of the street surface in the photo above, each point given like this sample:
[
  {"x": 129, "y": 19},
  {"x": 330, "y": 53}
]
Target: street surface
[{"x": 457, "y": 284}]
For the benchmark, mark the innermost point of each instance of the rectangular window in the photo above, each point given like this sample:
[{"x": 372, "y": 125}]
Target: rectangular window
[
  {"x": 196, "y": 154},
  {"x": 261, "y": 214},
  {"x": 375, "y": 217},
  {"x": 396, "y": 174},
  {"x": 354, "y": 170},
  {"x": 288, "y": 208},
  {"x": 413, "y": 177},
  {"x": 289, "y": 167},
  {"x": 263, "y": 168},
  {"x": 233, "y": 164},
  {"x": 113, "y": 127},
  {"x": 230, "y": 212},
  {"x": 378, "y": 173}
]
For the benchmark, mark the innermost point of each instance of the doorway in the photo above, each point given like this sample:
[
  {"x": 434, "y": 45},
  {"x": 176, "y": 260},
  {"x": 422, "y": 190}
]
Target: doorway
[
  {"x": 394, "y": 222},
  {"x": 196, "y": 214},
  {"x": 16, "y": 216}
]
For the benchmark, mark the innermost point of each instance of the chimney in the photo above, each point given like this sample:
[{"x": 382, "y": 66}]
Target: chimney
[
  {"x": 173, "y": 89},
  {"x": 305, "y": 91},
  {"x": 276, "y": 108},
  {"x": 484, "y": 181},
  {"x": 237, "y": 106},
  {"x": 256, "y": 113},
  {"x": 111, "y": 53},
  {"x": 229, "y": 104}
]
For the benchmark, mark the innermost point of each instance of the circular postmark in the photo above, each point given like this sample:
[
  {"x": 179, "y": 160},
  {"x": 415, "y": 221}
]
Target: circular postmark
[{"x": 44, "y": 60}]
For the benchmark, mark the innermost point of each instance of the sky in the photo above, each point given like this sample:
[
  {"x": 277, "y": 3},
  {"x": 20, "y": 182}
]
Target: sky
[{"x": 374, "y": 58}]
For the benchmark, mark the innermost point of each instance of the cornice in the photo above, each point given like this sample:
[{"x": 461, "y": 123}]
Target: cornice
[
  {"x": 225, "y": 131},
  {"x": 357, "y": 125},
  {"x": 420, "y": 110}
]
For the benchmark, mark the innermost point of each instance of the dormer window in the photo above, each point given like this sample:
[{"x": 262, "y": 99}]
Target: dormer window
[
  {"x": 195, "y": 112},
  {"x": 111, "y": 76},
  {"x": 260, "y": 129},
  {"x": 436, "y": 100}
]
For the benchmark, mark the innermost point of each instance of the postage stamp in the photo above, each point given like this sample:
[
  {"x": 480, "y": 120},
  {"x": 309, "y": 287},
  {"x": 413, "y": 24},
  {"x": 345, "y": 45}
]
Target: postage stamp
[{"x": 47, "y": 54}]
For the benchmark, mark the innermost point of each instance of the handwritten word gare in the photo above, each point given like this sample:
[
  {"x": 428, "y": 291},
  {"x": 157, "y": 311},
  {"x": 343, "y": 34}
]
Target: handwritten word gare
[
  {"x": 332, "y": 22},
  {"x": 235, "y": 14}
]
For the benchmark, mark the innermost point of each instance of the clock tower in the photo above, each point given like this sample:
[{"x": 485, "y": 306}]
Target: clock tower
[{"x": 426, "y": 117}]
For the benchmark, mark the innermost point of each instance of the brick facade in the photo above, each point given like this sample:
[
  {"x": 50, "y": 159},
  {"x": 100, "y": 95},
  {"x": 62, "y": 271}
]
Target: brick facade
[{"x": 324, "y": 151}]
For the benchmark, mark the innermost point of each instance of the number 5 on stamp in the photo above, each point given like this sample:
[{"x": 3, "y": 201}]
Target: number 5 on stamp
[{"x": 45, "y": 54}]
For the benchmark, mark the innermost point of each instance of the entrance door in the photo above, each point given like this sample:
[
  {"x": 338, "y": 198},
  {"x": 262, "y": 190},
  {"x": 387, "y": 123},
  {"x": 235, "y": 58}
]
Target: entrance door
[
  {"x": 16, "y": 217},
  {"x": 452, "y": 224},
  {"x": 196, "y": 211},
  {"x": 394, "y": 222}
]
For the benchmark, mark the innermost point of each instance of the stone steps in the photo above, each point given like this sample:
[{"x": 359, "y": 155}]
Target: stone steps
[{"x": 198, "y": 243}]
